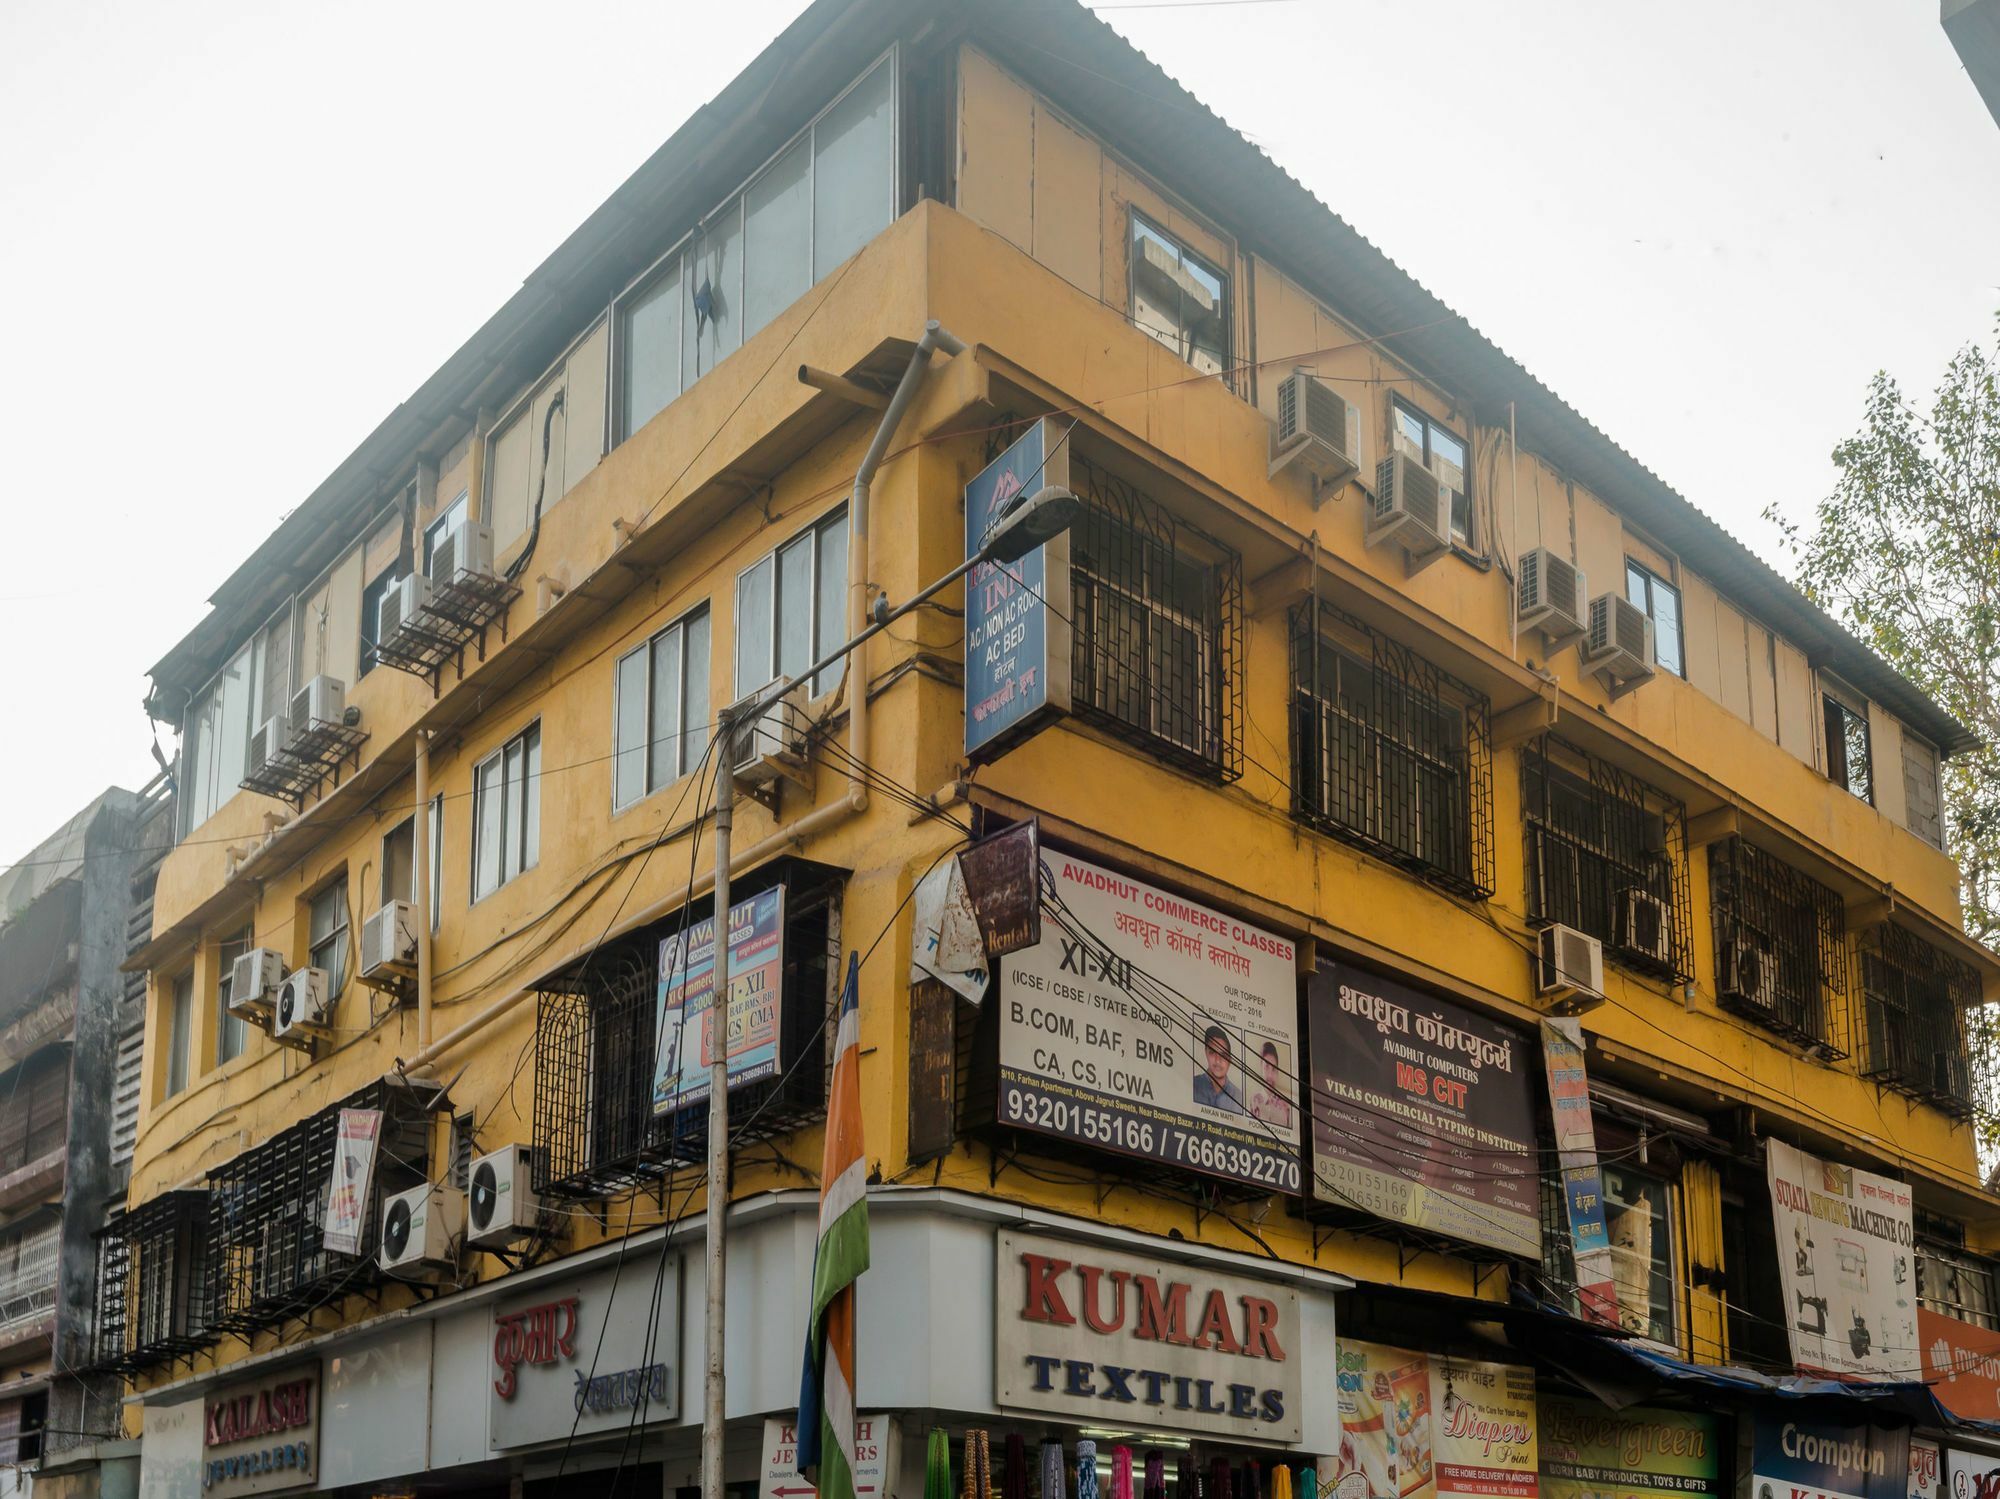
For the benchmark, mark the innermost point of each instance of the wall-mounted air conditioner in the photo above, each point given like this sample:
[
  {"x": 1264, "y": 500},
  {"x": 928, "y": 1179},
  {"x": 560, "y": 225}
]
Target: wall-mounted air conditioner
[
  {"x": 1745, "y": 974},
  {"x": 1410, "y": 508},
  {"x": 502, "y": 1205},
  {"x": 1551, "y": 597},
  {"x": 775, "y": 745},
  {"x": 301, "y": 1011},
  {"x": 401, "y": 604},
  {"x": 319, "y": 702},
  {"x": 419, "y": 1230},
  {"x": 469, "y": 549},
  {"x": 389, "y": 941},
  {"x": 254, "y": 980},
  {"x": 266, "y": 740},
  {"x": 1317, "y": 430},
  {"x": 1569, "y": 969},
  {"x": 1643, "y": 925},
  {"x": 1618, "y": 645}
]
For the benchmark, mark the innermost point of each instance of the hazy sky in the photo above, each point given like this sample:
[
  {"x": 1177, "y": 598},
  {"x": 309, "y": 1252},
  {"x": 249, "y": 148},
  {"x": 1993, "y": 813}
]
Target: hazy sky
[{"x": 234, "y": 233}]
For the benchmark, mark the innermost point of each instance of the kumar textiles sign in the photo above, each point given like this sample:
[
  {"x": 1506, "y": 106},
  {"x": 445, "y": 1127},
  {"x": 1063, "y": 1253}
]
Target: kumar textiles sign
[{"x": 1099, "y": 1336}]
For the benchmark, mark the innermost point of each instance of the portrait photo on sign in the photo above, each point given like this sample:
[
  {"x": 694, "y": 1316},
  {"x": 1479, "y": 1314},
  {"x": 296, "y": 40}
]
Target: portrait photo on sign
[
  {"x": 1272, "y": 1081},
  {"x": 1218, "y": 1078}
]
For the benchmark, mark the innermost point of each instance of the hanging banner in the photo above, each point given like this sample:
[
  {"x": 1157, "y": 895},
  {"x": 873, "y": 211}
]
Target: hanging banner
[
  {"x": 945, "y": 941},
  {"x": 349, "y": 1192},
  {"x": 1017, "y": 649},
  {"x": 685, "y": 1026},
  {"x": 1926, "y": 1469},
  {"x": 1589, "y": 1452},
  {"x": 1422, "y": 1112},
  {"x": 1818, "y": 1460},
  {"x": 1583, "y": 1182},
  {"x": 1961, "y": 1365},
  {"x": 1844, "y": 1261},
  {"x": 1419, "y": 1426},
  {"x": 1149, "y": 1025},
  {"x": 1003, "y": 880}
]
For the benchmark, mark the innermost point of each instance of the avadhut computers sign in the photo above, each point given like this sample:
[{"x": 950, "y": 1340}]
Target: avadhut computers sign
[{"x": 1845, "y": 1265}]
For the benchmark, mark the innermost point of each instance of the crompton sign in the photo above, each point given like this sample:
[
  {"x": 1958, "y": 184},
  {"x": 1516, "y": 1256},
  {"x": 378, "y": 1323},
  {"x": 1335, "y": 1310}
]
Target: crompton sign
[
  {"x": 262, "y": 1436},
  {"x": 1099, "y": 1336}
]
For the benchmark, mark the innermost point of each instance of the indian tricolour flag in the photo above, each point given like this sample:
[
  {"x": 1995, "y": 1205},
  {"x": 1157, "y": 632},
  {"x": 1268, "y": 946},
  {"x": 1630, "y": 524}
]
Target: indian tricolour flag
[{"x": 826, "y": 1393}]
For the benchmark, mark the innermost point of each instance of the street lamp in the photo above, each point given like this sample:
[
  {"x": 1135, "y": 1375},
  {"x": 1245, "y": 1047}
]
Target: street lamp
[{"x": 1025, "y": 523}]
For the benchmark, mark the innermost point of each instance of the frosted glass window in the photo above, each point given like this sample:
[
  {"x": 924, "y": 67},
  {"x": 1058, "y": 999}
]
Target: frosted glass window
[
  {"x": 791, "y": 608},
  {"x": 506, "y": 811},
  {"x": 777, "y": 238},
  {"x": 714, "y": 303},
  {"x": 652, "y": 352},
  {"x": 180, "y": 1032},
  {"x": 795, "y": 606},
  {"x": 854, "y": 171},
  {"x": 832, "y": 564},
  {"x": 662, "y": 708},
  {"x": 628, "y": 765},
  {"x": 753, "y": 627}
]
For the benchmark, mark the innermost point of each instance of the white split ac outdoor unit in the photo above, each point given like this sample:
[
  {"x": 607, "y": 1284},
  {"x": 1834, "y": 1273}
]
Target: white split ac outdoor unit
[
  {"x": 501, "y": 1202},
  {"x": 1746, "y": 974},
  {"x": 401, "y": 604},
  {"x": 419, "y": 1228},
  {"x": 1643, "y": 925},
  {"x": 1551, "y": 596},
  {"x": 266, "y": 740},
  {"x": 1569, "y": 969},
  {"x": 469, "y": 549},
  {"x": 323, "y": 700},
  {"x": 254, "y": 980},
  {"x": 776, "y": 742},
  {"x": 389, "y": 940},
  {"x": 1317, "y": 429},
  {"x": 300, "y": 1011},
  {"x": 1619, "y": 642},
  {"x": 1411, "y": 508}
]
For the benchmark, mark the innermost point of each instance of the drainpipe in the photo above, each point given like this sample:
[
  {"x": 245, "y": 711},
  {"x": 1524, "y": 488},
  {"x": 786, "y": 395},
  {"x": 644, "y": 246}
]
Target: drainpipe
[{"x": 420, "y": 847}]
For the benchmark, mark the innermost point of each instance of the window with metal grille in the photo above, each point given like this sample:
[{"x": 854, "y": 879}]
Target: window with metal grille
[
  {"x": 1954, "y": 1283},
  {"x": 152, "y": 1283},
  {"x": 1911, "y": 1033},
  {"x": 27, "y": 1276},
  {"x": 1607, "y": 854},
  {"x": 1389, "y": 752},
  {"x": 1780, "y": 946},
  {"x": 1156, "y": 626}
]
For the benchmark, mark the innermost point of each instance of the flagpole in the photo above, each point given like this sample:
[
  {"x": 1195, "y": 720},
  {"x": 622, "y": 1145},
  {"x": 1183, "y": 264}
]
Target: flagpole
[{"x": 718, "y": 1122}]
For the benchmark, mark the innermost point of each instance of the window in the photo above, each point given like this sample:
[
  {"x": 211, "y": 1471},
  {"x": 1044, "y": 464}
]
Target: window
[
  {"x": 1638, "y": 1215},
  {"x": 1922, "y": 805},
  {"x": 1912, "y": 998},
  {"x": 218, "y": 723},
  {"x": 1780, "y": 945},
  {"x": 1661, "y": 602},
  {"x": 1389, "y": 752},
  {"x": 1953, "y": 1283},
  {"x": 449, "y": 522},
  {"x": 791, "y": 608},
  {"x": 327, "y": 935},
  {"x": 1179, "y": 298},
  {"x": 506, "y": 812},
  {"x": 34, "y": 1109},
  {"x": 661, "y": 708},
  {"x": 1443, "y": 452},
  {"x": 399, "y": 859},
  {"x": 821, "y": 198},
  {"x": 180, "y": 1032},
  {"x": 231, "y": 1032},
  {"x": 371, "y": 615},
  {"x": 1849, "y": 754}
]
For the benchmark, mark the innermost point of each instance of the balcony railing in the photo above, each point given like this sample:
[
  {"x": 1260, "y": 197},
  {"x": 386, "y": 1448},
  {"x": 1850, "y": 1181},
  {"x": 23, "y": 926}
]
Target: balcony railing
[
  {"x": 1911, "y": 1025},
  {"x": 1780, "y": 947},
  {"x": 152, "y": 1283}
]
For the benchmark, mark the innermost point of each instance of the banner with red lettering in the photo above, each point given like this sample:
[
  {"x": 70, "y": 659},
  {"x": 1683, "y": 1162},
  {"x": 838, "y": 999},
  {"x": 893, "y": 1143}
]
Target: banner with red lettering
[
  {"x": 1420, "y": 1426},
  {"x": 1961, "y": 1364},
  {"x": 349, "y": 1192},
  {"x": 1845, "y": 1265}
]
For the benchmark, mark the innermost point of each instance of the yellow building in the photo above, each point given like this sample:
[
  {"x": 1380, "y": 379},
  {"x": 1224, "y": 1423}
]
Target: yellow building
[{"x": 1374, "y": 709}]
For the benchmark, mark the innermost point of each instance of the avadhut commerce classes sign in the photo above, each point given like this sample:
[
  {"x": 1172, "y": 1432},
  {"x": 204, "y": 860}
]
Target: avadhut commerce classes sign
[
  {"x": 686, "y": 1023},
  {"x": 1422, "y": 1112},
  {"x": 1793, "y": 1459},
  {"x": 1152, "y": 1025},
  {"x": 1422, "y": 1426},
  {"x": 1589, "y": 1452},
  {"x": 1845, "y": 1265}
]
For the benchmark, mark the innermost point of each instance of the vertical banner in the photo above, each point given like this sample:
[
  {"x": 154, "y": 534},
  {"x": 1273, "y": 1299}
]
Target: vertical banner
[
  {"x": 1583, "y": 1182},
  {"x": 1845, "y": 1241},
  {"x": 1416, "y": 1426},
  {"x": 1817, "y": 1460},
  {"x": 1017, "y": 650},
  {"x": 686, "y": 1038},
  {"x": 354, "y": 1141}
]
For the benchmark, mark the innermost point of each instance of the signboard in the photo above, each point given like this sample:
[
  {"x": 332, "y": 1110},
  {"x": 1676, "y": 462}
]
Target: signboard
[
  {"x": 1961, "y": 1365},
  {"x": 1081, "y": 1331},
  {"x": 1418, "y": 1426},
  {"x": 348, "y": 1193},
  {"x": 1926, "y": 1469},
  {"x": 945, "y": 941},
  {"x": 1845, "y": 1265},
  {"x": 687, "y": 1038},
  {"x": 262, "y": 1435},
  {"x": 876, "y": 1444},
  {"x": 1157, "y": 1028},
  {"x": 1589, "y": 1452},
  {"x": 1817, "y": 1460},
  {"x": 1583, "y": 1182},
  {"x": 1003, "y": 879},
  {"x": 1017, "y": 649},
  {"x": 1973, "y": 1475},
  {"x": 593, "y": 1352},
  {"x": 1422, "y": 1112}
]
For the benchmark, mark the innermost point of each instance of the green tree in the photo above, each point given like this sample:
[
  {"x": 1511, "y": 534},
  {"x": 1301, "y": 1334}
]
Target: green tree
[{"x": 1906, "y": 553}]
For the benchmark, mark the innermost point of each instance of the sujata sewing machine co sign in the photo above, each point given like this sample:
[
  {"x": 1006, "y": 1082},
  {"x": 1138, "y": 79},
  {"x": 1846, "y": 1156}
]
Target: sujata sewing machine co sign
[
  {"x": 262, "y": 1436},
  {"x": 1099, "y": 1336}
]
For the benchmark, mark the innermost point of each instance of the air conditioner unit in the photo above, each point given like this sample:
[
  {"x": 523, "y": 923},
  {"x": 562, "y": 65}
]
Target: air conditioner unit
[
  {"x": 301, "y": 1011},
  {"x": 501, "y": 1204},
  {"x": 775, "y": 745},
  {"x": 1569, "y": 969},
  {"x": 254, "y": 981},
  {"x": 1411, "y": 508},
  {"x": 1619, "y": 641},
  {"x": 1551, "y": 596},
  {"x": 323, "y": 700},
  {"x": 401, "y": 604},
  {"x": 1746, "y": 974},
  {"x": 1644, "y": 926},
  {"x": 1316, "y": 429},
  {"x": 469, "y": 549},
  {"x": 266, "y": 740},
  {"x": 419, "y": 1229},
  {"x": 389, "y": 940}
]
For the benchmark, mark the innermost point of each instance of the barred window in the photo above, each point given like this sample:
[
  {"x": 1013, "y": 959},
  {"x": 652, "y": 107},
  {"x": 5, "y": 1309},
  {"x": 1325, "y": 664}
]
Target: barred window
[
  {"x": 1913, "y": 997},
  {"x": 152, "y": 1283},
  {"x": 1607, "y": 854},
  {"x": 1389, "y": 752},
  {"x": 1954, "y": 1283},
  {"x": 1780, "y": 946}
]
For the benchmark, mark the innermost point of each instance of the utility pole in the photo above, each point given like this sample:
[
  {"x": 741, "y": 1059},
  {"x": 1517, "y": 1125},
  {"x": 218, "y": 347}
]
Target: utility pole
[{"x": 713, "y": 1376}]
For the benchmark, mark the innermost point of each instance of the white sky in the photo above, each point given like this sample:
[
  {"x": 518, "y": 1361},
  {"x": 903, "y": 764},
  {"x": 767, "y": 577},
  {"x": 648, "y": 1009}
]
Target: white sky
[{"x": 234, "y": 233}]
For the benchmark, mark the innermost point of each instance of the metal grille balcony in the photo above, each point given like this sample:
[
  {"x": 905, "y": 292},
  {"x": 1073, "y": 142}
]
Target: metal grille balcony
[
  {"x": 1607, "y": 854},
  {"x": 1780, "y": 945},
  {"x": 152, "y": 1283},
  {"x": 1911, "y": 1023},
  {"x": 1389, "y": 752}
]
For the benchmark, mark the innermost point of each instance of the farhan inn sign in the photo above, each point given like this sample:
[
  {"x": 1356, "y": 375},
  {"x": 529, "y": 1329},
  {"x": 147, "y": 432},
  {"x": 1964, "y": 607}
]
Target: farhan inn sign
[{"x": 1099, "y": 1337}]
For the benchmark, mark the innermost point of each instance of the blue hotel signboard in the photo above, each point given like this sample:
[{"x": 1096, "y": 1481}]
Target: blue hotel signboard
[{"x": 1017, "y": 649}]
